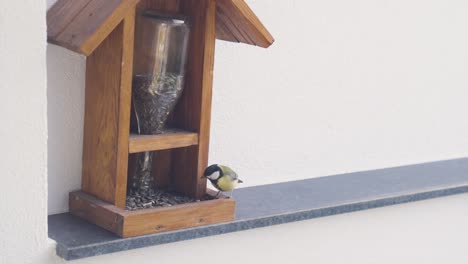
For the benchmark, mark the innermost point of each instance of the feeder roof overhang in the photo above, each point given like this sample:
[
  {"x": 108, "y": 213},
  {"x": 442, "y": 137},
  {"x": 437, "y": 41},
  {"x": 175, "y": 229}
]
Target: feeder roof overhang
[{"x": 82, "y": 25}]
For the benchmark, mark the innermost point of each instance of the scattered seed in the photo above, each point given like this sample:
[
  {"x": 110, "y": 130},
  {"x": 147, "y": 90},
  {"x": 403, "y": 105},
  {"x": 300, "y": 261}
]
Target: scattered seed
[{"x": 155, "y": 198}]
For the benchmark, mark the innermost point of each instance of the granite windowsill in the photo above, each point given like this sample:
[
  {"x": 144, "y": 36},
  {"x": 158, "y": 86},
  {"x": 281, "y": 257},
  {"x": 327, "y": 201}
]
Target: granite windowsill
[{"x": 281, "y": 203}]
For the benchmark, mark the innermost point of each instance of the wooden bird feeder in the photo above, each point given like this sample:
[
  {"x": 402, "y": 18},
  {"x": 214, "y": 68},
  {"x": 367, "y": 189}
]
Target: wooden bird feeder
[{"x": 104, "y": 31}]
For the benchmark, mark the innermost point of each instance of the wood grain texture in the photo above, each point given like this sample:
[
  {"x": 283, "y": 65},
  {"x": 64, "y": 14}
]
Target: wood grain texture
[
  {"x": 236, "y": 22},
  {"x": 149, "y": 221},
  {"x": 162, "y": 169},
  {"x": 178, "y": 217},
  {"x": 101, "y": 120},
  {"x": 165, "y": 6},
  {"x": 107, "y": 115},
  {"x": 125, "y": 101},
  {"x": 61, "y": 14},
  {"x": 176, "y": 139},
  {"x": 82, "y": 25},
  {"x": 229, "y": 27},
  {"x": 96, "y": 211}
]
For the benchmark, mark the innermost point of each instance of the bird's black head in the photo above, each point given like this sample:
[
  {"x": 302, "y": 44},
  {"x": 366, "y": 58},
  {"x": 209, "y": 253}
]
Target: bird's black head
[{"x": 213, "y": 172}]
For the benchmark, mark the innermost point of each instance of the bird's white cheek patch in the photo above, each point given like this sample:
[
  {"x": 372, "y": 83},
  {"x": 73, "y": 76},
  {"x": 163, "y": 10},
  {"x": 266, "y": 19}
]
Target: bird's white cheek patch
[{"x": 215, "y": 175}]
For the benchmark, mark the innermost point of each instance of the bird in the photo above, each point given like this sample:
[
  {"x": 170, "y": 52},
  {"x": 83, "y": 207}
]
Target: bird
[{"x": 222, "y": 177}]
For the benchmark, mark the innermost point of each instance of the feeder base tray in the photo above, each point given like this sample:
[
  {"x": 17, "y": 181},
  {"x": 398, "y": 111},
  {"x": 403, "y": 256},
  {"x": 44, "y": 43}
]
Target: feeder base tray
[{"x": 149, "y": 221}]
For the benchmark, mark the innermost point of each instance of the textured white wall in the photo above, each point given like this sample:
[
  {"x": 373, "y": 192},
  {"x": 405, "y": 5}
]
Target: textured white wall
[
  {"x": 65, "y": 93},
  {"x": 23, "y": 132},
  {"x": 366, "y": 84},
  {"x": 348, "y": 86}
]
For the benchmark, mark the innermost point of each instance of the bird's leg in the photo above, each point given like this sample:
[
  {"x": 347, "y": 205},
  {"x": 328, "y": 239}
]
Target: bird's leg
[
  {"x": 230, "y": 196},
  {"x": 217, "y": 195}
]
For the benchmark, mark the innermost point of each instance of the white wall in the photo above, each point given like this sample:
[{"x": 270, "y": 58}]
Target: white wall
[
  {"x": 348, "y": 86},
  {"x": 23, "y": 132}
]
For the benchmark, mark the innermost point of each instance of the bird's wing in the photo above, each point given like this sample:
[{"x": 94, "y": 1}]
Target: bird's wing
[{"x": 228, "y": 171}]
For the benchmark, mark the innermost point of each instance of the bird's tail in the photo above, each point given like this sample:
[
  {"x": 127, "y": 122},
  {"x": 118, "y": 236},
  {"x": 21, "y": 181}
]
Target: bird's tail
[{"x": 240, "y": 181}]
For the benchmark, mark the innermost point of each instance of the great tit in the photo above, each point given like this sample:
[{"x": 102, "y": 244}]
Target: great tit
[{"x": 222, "y": 177}]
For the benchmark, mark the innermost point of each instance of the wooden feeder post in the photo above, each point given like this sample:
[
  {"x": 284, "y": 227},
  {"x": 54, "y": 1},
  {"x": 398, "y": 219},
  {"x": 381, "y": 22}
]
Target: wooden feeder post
[{"x": 104, "y": 31}]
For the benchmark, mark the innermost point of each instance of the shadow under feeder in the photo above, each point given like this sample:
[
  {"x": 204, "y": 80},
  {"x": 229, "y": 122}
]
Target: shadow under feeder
[{"x": 104, "y": 31}]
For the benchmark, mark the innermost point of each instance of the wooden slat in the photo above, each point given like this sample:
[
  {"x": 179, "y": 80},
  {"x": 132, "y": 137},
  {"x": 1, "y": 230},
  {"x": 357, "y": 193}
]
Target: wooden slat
[
  {"x": 149, "y": 221},
  {"x": 223, "y": 32},
  {"x": 125, "y": 101},
  {"x": 107, "y": 115},
  {"x": 83, "y": 26},
  {"x": 241, "y": 21},
  {"x": 176, "y": 139},
  {"x": 61, "y": 14},
  {"x": 165, "y": 6},
  {"x": 179, "y": 217},
  {"x": 162, "y": 166},
  {"x": 231, "y": 26},
  {"x": 101, "y": 119},
  {"x": 96, "y": 211}
]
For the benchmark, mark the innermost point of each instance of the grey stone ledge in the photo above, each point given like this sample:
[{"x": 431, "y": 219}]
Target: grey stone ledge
[{"x": 281, "y": 203}]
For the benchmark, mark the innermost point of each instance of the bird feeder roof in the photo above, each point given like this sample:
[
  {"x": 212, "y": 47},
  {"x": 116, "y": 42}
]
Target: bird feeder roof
[{"x": 82, "y": 25}]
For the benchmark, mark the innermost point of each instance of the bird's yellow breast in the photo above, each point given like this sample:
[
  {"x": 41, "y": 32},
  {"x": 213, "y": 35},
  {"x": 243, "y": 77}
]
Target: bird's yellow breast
[{"x": 226, "y": 184}]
